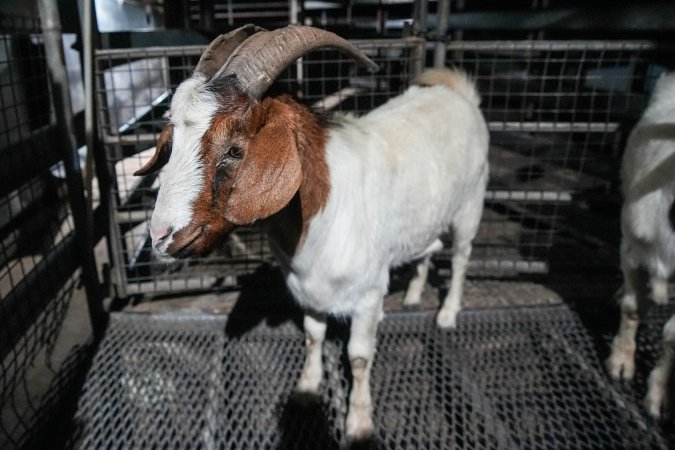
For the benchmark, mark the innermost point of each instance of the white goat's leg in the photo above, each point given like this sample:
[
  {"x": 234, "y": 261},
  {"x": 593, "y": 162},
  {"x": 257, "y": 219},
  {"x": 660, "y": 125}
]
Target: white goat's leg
[
  {"x": 447, "y": 316},
  {"x": 361, "y": 350},
  {"x": 659, "y": 289},
  {"x": 315, "y": 332},
  {"x": 416, "y": 286},
  {"x": 621, "y": 361},
  {"x": 657, "y": 385}
]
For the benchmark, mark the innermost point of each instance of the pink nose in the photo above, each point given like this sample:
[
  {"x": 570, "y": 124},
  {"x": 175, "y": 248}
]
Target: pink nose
[{"x": 159, "y": 234}]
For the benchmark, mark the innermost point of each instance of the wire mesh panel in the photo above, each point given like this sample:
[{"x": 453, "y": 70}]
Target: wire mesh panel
[
  {"x": 504, "y": 379},
  {"x": 557, "y": 112},
  {"x": 133, "y": 90},
  {"x": 37, "y": 241}
]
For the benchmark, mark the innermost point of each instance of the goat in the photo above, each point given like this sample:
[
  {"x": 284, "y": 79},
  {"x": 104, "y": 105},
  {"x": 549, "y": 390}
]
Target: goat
[
  {"x": 648, "y": 237},
  {"x": 342, "y": 201}
]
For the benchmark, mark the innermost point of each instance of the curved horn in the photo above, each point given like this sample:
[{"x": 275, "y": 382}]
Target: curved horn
[
  {"x": 261, "y": 58},
  {"x": 220, "y": 49}
]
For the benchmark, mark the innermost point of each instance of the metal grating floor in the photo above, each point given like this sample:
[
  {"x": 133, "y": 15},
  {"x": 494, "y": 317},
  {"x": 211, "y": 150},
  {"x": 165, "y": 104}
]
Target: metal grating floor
[{"x": 518, "y": 378}]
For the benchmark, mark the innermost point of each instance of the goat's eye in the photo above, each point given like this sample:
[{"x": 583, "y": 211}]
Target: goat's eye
[{"x": 235, "y": 152}]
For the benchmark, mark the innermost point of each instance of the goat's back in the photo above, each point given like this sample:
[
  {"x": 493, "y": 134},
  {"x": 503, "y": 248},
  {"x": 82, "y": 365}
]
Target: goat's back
[{"x": 423, "y": 156}]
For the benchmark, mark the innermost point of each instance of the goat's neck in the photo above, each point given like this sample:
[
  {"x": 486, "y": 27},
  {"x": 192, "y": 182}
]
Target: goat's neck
[{"x": 289, "y": 227}]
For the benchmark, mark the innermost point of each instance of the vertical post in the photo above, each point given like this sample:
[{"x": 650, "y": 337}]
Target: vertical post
[
  {"x": 51, "y": 31},
  {"x": 207, "y": 15},
  {"x": 420, "y": 17},
  {"x": 441, "y": 28}
]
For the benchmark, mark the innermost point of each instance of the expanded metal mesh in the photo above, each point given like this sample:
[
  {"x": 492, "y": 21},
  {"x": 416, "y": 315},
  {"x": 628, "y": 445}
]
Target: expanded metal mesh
[
  {"x": 519, "y": 378},
  {"x": 557, "y": 111},
  {"x": 36, "y": 231},
  {"x": 133, "y": 93}
]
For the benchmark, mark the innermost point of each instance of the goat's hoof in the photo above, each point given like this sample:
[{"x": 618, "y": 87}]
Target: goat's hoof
[
  {"x": 654, "y": 403},
  {"x": 308, "y": 385},
  {"x": 359, "y": 428},
  {"x": 446, "y": 319},
  {"x": 411, "y": 301},
  {"x": 621, "y": 365}
]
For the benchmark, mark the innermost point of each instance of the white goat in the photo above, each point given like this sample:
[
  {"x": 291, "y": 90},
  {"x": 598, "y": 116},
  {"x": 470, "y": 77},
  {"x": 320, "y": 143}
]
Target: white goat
[
  {"x": 342, "y": 201},
  {"x": 647, "y": 221}
]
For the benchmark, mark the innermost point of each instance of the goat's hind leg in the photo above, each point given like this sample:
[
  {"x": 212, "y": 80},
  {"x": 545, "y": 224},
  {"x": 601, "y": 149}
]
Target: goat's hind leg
[
  {"x": 315, "y": 333},
  {"x": 413, "y": 294},
  {"x": 657, "y": 385},
  {"x": 621, "y": 361},
  {"x": 465, "y": 229}
]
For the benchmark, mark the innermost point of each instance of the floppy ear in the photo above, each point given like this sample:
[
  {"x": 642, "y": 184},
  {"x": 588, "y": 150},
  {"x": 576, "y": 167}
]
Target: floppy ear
[
  {"x": 162, "y": 153},
  {"x": 270, "y": 173}
]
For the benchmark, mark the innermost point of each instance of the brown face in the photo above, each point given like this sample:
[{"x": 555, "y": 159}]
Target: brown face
[{"x": 250, "y": 169}]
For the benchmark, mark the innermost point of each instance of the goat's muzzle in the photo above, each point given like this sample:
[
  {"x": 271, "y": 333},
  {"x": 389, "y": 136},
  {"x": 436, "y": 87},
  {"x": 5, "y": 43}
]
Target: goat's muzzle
[{"x": 195, "y": 241}]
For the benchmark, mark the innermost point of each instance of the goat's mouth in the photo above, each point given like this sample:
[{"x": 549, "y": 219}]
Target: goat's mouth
[{"x": 183, "y": 248}]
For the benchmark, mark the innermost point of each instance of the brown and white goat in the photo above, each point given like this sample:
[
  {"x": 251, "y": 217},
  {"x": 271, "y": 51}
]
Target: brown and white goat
[{"x": 342, "y": 201}]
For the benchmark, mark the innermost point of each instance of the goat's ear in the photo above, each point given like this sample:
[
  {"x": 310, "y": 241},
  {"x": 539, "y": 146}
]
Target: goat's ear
[
  {"x": 162, "y": 153},
  {"x": 270, "y": 173}
]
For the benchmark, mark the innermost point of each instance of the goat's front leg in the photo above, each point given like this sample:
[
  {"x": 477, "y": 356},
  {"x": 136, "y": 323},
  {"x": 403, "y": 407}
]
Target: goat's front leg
[
  {"x": 657, "y": 385},
  {"x": 315, "y": 332},
  {"x": 361, "y": 350},
  {"x": 621, "y": 361}
]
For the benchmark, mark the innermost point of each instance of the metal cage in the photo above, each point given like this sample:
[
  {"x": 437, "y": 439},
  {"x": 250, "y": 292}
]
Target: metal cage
[
  {"x": 133, "y": 94},
  {"x": 557, "y": 112},
  {"x": 39, "y": 258}
]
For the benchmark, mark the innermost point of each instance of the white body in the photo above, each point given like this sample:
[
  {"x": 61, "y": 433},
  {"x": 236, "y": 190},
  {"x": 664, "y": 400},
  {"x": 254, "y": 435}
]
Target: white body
[
  {"x": 400, "y": 176},
  {"x": 648, "y": 243}
]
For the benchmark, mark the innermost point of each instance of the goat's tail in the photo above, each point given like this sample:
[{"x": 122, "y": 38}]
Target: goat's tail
[{"x": 455, "y": 79}]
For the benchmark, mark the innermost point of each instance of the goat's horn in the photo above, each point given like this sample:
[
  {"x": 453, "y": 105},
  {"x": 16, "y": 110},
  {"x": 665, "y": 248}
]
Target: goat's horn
[
  {"x": 261, "y": 58},
  {"x": 220, "y": 49}
]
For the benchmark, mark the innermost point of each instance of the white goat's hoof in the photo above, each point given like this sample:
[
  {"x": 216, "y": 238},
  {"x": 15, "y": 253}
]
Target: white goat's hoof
[
  {"x": 308, "y": 385},
  {"x": 411, "y": 300},
  {"x": 654, "y": 403},
  {"x": 659, "y": 290},
  {"x": 621, "y": 365},
  {"x": 446, "y": 319},
  {"x": 359, "y": 426}
]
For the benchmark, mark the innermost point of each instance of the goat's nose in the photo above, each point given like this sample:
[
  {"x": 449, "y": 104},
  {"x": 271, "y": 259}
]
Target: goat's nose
[{"x": 158, "y": 234}]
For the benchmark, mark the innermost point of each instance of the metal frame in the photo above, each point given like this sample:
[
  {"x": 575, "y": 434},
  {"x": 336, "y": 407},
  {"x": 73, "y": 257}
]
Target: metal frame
[
  {"x": 557, "y": 112},
  {"x": 45, "y": 233},
  {"x": 540, "y": 146}
]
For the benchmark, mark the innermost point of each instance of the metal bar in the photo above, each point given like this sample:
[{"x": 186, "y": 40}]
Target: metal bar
[
  {"x": 555, "y": 127},
  {"x": 441, "y": 28},
  {"x": 590, "y": 45},
  {"x": 51, "y": 29},
  {"x": 207, "y": 15},
  {"x": 529, "y": 196},
  {"x": 127, "y": 54},
  {"x": 531, "y": 267},
  {"x": 420, "y": 14}
]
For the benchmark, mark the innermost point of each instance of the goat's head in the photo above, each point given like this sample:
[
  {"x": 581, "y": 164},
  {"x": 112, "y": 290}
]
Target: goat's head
[{"x": 231, "y": 155}]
